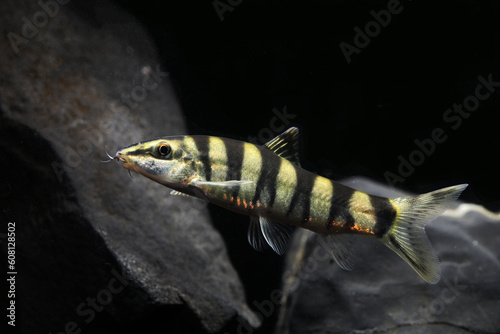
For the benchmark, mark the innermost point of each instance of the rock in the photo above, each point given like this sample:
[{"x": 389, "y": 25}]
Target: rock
[
  {"x": 383, "y": 294},
  {"x": 97, "y": 250}
]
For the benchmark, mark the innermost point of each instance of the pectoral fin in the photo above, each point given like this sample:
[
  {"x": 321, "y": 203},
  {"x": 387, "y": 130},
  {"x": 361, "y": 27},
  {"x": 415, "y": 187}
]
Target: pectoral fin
[
  {"x": 222, "y": 184},
  {"x": 211, "y": 187}
]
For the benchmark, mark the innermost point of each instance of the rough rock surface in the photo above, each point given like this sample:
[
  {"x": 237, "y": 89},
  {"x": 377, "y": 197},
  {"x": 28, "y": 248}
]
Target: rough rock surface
[
  {"x": 384, "y": 295},
  {"x": 98, "y": 250}
]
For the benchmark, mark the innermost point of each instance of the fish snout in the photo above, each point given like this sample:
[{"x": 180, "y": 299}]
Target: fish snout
[{"x": 122, "y": 157}]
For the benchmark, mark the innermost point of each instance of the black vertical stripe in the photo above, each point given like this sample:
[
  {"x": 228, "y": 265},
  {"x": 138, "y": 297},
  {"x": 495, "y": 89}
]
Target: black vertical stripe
[
  {"x": 271, "y": 164},
  {"x": 184, "y": 148},
  {"x": 384, "y": 215},
  {"x": 302, "y": 194},
  {"x": 203, "y": 147},
  {"x": 234, "y": 150},
  {"x": 339, "y": 208}
]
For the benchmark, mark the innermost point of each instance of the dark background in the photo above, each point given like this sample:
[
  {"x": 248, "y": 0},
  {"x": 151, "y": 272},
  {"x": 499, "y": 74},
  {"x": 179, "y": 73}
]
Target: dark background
[{"x": 356, "y": 118}]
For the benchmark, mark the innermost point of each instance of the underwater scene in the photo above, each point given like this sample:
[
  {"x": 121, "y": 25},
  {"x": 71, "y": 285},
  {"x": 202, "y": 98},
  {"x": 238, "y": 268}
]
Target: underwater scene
[{"x": 249, "y": 166}]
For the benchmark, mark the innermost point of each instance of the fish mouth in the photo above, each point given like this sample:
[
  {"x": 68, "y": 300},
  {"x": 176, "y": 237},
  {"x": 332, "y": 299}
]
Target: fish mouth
[{"x": 127, "y": 163}]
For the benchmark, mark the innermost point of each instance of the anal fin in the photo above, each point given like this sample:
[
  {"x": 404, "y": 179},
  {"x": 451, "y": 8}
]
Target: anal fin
[{"x": 341, "y": 247}]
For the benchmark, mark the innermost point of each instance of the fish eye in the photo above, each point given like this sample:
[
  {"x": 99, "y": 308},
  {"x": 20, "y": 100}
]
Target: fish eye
[{"x": 163, "y": 149}]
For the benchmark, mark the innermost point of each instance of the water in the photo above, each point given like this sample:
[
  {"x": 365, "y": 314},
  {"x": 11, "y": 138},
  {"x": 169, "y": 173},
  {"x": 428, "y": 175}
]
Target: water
[{"x": 388, "y": 97}]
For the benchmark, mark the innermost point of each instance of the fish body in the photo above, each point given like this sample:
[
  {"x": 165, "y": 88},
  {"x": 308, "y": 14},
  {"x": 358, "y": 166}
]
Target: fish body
[{"x": 267, "y": 183}]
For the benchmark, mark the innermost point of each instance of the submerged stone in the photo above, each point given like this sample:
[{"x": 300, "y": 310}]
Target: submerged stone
[
  {"x": 383, "y": 294},
  {"x": 97, "y": 250}
]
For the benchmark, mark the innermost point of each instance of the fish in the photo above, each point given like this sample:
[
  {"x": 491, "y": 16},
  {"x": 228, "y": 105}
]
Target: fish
[{"x": 267, "y": 183}]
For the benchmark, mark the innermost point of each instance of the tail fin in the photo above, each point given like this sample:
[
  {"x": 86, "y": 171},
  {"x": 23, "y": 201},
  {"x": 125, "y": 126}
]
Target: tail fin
[{"x": 407, "y": 236}]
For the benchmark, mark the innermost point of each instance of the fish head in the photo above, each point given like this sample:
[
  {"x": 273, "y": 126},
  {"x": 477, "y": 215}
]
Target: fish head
[{"x": 164, "y": 160}]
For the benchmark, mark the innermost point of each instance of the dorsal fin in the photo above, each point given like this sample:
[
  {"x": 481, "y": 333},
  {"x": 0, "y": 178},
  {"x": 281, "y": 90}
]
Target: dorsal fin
[{"x": 286, "y": 145}]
